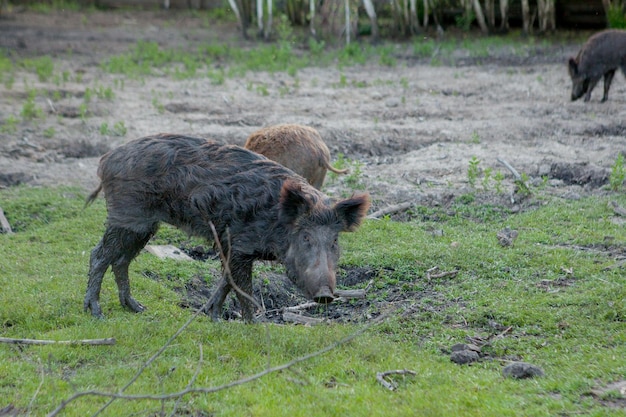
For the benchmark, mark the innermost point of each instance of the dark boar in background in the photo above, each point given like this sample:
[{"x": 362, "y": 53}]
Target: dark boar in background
[
  {"x": 299, "y": 148},
  {"x": 601, "y": 55},
  {"x": 260, "y": 210}
]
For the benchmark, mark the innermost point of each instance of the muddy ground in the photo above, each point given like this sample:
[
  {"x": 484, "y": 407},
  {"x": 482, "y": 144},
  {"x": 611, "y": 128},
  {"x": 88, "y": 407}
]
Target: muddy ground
[{"x": 411, "y": 129}]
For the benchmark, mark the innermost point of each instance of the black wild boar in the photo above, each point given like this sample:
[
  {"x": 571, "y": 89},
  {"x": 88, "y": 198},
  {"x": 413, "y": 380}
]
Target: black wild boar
[
  {"x": 601, "y": 55},
  {"x": 299, "y": 148},
  {"x": 260, "y": 210}
]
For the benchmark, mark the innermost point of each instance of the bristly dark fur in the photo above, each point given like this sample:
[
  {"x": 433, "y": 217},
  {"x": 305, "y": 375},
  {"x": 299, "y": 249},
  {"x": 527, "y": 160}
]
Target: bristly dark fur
[
  {"x": 258, "y": 208},
  {"x": 600, "y": 56}
]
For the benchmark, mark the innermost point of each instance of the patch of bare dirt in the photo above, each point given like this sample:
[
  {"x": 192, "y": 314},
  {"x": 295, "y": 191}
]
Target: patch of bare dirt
[{"x": 413, "y": 127}]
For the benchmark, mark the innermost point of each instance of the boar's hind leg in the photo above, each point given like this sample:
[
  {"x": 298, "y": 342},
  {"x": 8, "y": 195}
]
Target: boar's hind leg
[
  {"x": 608, "y": 77},
  {"x": 117, "y": 249}
]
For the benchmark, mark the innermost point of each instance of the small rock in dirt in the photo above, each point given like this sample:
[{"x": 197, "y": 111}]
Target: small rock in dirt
[
  {"x": 520, "y": 370},
  {"x": 462, "y": 357},
  {"x": 465, "y": 346},
  {"x": 571, "y": 195},
  {"x": 392, "y": 102},
  {"x": 506, "y": 236}
]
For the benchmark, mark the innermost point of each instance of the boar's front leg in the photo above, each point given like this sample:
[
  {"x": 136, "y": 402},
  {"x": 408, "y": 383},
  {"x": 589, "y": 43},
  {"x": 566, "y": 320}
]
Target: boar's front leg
[
  {"x": 608, "y": 78},
  {"x": 240, "y": 269},
  {"x": 117, "y": 249},
  {"x": 592, "y": 84}
]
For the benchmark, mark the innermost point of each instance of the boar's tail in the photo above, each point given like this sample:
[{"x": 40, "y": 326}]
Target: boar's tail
[
  {"x": 93, "y": 196},
  {"x": 337, "y": 171}
]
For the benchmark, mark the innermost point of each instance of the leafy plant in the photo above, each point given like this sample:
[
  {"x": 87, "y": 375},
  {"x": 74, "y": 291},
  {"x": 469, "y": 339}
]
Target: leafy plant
[
  {"x": 473, "y": 171},
  {"x": 618, "y": 173},
  {"x": 9, "y": 125},
  {"x": 43, "y": 67},
  {"x": 30, "y": 110},
  {"x": 49, "y": 132}
]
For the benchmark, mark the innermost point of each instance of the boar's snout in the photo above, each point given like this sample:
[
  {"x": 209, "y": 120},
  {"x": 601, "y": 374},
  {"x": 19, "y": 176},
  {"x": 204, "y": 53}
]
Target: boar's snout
[{"x": 324, "y": 296}]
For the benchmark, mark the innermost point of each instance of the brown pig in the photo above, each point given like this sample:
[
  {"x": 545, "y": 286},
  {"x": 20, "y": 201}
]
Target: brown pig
[
  {"x": 299, "y": 148},
  {"x": 259, "y": 209},
  {"x": 601, "y": 55}
]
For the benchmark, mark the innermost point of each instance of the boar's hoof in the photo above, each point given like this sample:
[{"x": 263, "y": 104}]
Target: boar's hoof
[
  {"x": 94, "y": 306},
  {"x": 324, "y": 296},
  {"x": 133, "y": 305}
]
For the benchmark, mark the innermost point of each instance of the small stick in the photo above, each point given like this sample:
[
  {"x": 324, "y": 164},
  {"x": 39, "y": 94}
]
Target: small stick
[
  {"x": 508, "y": 329},
  {"x": 508, "y": 166},
  {"x": 107, "y": 341},
  {"x": 442, "y": 274},
  {"x": 299, "y": 307},
  {"x": 380, "y": 377},
  {"x": 300, "y": 319},
  {"x": 351, "y": 293},
  {"x": 389, "y": 210},
  {"x": 4, "y": 223}
]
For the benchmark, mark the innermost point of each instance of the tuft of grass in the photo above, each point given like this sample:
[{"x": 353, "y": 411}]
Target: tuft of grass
[
  {"x": 42, "y": 66},
  {"x": 618, "y": 173},
  {"x": 30, "y": 110}
]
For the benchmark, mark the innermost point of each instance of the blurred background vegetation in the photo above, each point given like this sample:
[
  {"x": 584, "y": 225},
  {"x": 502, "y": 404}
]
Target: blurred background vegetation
[{"x": 347, "y": 20}]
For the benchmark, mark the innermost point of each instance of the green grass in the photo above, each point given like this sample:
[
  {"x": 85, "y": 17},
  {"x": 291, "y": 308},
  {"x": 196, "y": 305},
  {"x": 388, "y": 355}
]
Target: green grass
[{"x": 575, "y": 332}]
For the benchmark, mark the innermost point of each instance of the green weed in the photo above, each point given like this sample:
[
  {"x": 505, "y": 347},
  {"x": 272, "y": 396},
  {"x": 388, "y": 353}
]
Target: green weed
[
  {"x": 9, "y": 126},
  {"x": 473, "y": 171},
  {"x": 30, "y": 110},
  {"x": 43, "y": 67},
  {"x": 618, "y": 173},
  {"x": 49, "y": 132}
]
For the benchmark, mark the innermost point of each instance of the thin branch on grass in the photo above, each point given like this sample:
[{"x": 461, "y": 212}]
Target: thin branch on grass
[
  {"x": 390, "y": 385},
  {"x": 443, "y": 274},
  {"x": 390, "y": 210},
  {"x": 43, "y": 377},
  {"x": 299, "y": 307},
  {"x": 300, "y": 319},
  {"x": 241, "y": 381},
  {"x": 94, "y": 342},
  {"x": 191, "y": 381}
]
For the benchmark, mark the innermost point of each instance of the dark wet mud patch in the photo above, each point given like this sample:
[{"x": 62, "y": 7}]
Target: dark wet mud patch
[
  {"x": 579, "y": 174},
  {"x": 277, "y": 294}
]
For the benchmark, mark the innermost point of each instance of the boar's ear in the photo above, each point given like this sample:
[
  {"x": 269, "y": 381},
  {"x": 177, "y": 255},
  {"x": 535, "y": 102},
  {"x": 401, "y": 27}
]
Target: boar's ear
[
  {"x": 293, "y": 201},
  {"x": 573, "y": 67},
  {"x": 352, "y": 211}
]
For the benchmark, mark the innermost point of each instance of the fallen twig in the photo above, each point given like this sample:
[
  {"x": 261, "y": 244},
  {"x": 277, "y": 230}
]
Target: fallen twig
[
  {"x": 302, "y": 306},
  {"x": 505, "y": 331},
  {"x": 359, "y": 293},
  {"x": 380, "y": 377},
  {"x": 389, "y": 210},
  {"x": 4, "y": 223},
  {"x": 107, "y": 341},
  {"x": 430, "y": 275},
  {"x": 508, "y": 166},
  {"x": 300, "y": 319},
  {"x": 191, "y": 381}
]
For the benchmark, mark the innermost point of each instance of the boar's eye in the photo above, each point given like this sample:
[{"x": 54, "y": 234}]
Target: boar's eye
[{"x": 306, "y": 238}]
